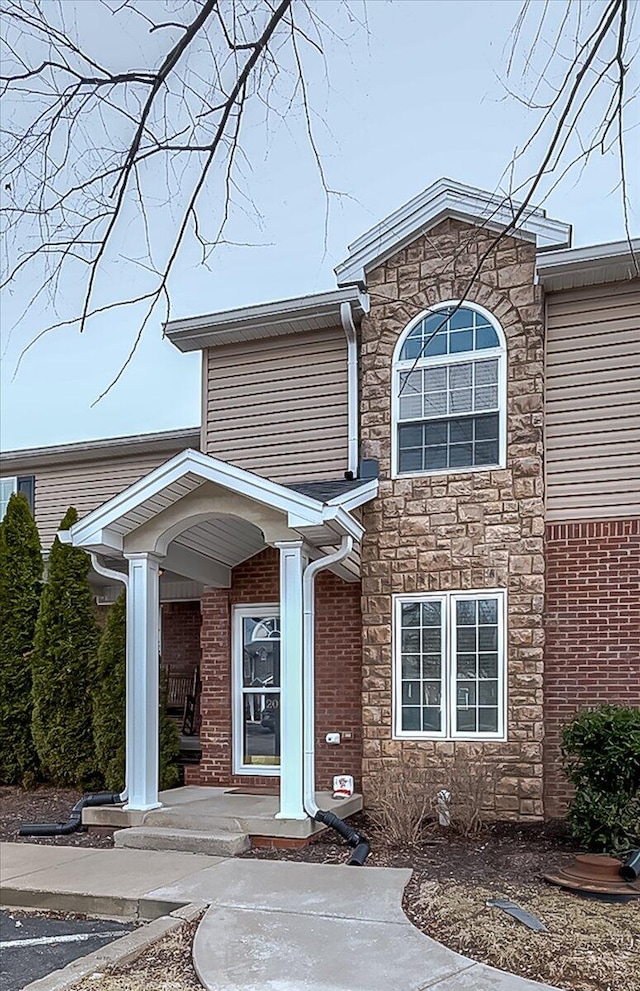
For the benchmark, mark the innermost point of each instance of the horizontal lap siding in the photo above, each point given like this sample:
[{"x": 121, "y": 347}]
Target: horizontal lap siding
[
  {"x": 279, "y": 406},
  {"x": 592, "y": 438},
  {"x": 85, "y": 486}
]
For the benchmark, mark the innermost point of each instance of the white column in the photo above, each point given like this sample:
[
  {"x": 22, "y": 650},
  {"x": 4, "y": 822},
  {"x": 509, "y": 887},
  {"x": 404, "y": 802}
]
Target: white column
[
  {"x": 142, "y": 682},
  {"x": 292, "y": 562}
]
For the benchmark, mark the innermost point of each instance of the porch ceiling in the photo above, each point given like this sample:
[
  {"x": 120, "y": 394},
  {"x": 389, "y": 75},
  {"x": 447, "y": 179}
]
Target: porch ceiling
[{"x": 204, "y": 516}]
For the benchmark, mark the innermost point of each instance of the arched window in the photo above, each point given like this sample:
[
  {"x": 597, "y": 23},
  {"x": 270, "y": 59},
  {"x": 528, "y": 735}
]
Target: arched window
[{"x": 449, "y": 387}]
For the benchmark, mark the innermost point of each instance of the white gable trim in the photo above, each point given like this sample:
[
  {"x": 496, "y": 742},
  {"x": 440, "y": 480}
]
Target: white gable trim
[
  {"x": 446, "y": 198},
  {"x": 300, "y": 510}
]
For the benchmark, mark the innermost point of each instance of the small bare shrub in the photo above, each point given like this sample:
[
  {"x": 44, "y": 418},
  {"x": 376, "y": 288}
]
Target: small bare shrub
[
  {"x": 471, "y": 784},
  {"x": 402, "y": 801},
  {"x": 404, "y": 798}
]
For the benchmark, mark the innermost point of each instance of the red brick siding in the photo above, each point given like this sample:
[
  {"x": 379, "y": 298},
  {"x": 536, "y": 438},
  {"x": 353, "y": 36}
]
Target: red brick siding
[
  {"x": 338, "y": 674},
  {"x": 592, "y": 629},
  {"x": 181, "y": 636}
]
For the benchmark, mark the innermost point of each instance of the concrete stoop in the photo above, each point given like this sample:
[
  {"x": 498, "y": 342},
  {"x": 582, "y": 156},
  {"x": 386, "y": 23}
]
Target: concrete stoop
[{"x": 212, "y": 843}]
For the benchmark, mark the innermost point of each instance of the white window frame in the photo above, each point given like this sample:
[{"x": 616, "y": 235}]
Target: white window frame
[
  {"x": 14, "y": 489},
  {"x": 240, "y": 613},
  {"x": 448, "y": 700},
  {"x": 450, "y": 359}
]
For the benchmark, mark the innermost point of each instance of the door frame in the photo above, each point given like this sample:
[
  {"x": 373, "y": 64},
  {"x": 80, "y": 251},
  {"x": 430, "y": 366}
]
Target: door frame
[{"x": 263, "y": 610}]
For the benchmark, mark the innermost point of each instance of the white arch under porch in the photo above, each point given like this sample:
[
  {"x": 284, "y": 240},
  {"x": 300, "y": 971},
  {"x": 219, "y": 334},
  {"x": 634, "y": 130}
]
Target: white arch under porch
[{"x": 200, "y": 517}]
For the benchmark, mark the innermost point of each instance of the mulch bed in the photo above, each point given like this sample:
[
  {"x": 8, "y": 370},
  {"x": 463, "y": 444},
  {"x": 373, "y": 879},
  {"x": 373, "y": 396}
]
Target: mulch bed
[{"x": 44, "y": 804}]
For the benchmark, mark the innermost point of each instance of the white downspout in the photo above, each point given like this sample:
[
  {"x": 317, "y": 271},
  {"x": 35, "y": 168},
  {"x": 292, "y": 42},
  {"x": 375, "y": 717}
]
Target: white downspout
[
  {"x": 349, "y": 327},
  {"x": 308, "y": 683},
  {"x": 119, "y": 577}
]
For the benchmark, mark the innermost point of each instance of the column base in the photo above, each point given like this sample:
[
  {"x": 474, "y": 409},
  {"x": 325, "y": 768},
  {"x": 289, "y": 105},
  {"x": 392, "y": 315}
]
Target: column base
[{"x": 135, "y": 807}]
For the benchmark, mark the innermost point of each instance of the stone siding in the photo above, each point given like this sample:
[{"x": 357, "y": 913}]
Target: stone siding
[{"x": 459, "y": 530}]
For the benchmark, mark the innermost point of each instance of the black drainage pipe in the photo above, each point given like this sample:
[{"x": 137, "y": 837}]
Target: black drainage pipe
[
  {"x": 355, "y": 839},
  {"x": 75, "y": 819},
  {"x": 630, "y": 870}
]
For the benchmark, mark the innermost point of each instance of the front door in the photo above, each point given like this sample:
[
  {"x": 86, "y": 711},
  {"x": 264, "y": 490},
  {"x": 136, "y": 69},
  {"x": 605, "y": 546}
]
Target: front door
[{"x": 256, "y": 661}]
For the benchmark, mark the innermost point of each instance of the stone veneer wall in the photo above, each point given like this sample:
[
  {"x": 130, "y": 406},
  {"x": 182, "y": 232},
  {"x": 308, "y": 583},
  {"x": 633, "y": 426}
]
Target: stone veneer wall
[{"x": 455, "y": 531}]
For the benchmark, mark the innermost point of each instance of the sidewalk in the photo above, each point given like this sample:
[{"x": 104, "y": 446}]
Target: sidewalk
[{"x": 271, "y": 925}]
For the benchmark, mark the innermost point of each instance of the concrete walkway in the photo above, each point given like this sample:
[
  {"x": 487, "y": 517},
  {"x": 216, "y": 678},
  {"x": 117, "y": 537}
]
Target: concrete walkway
[{"x": 270, "y": 925}]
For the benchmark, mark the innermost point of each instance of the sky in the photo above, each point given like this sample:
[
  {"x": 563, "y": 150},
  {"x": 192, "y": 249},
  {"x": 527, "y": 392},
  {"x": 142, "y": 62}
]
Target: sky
[{"x": 415, "y": 94}]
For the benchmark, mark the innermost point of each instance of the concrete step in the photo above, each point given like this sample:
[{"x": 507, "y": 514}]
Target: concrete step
[{"x": 216, "y": 843}]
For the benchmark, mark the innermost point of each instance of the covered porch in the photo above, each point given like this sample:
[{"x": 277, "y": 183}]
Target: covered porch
[{"x": 202, "y": 519}]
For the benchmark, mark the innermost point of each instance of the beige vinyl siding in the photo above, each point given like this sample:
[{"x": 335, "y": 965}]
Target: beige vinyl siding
[
  {"x": 86, "y": 486},
  {"x": 592, "y": 435},
  {"x": 279, "y": 406}
]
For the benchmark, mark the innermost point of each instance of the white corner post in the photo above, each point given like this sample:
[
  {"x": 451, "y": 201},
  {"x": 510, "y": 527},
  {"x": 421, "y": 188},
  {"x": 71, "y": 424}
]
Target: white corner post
[
  {"x": 142, "y": 681},
  {"x": 292, "y": 564}
]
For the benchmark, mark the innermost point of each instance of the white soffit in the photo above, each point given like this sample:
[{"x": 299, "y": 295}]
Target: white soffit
[
  {"x": 446, "y": 198},
  {"x": 589, "y": 266},
  {"x": 284, "y": 316}
]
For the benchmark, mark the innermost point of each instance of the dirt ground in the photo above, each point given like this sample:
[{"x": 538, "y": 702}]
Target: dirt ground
[
  {"x": 43, "y": 805},
  {"x": 166, "y": 966}
]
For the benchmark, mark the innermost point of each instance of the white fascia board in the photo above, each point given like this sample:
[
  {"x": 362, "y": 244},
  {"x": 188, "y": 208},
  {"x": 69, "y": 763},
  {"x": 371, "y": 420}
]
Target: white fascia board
[
  {"x": 356, "y": 497},
  {"x": 301, "y": 510},
  {"x": 590, "y": 265},
  {"x": 263, "y": 320},
  {"x": 445, "y": 198}
]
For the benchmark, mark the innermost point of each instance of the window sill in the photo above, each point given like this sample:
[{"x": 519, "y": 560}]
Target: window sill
[
  {"x": 439, "y": 738},
  {"x": 439, "y": 472}
]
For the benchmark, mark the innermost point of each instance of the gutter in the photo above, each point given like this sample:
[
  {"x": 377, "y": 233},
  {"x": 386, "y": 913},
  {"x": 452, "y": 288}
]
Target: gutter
[{"x": 349, "y": 327}]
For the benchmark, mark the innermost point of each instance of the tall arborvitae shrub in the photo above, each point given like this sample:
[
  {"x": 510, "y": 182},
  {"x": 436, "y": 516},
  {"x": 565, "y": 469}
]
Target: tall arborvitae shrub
[
  {"x": 63, "y": 665},
  {"x": 109, "y": 706},
  {"x": 109, "y": 697},
  {"x": 20, "y": 587}
]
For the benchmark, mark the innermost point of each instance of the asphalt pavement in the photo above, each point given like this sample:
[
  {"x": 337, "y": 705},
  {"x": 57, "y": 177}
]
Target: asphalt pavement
[{"x": 32, "y": 946}]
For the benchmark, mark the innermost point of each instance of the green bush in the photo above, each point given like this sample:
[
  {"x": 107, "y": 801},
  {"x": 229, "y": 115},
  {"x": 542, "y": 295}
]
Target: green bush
[
  {"x": 20, "y": 588},
  {"x": 63, "y": 665},
  {"x": 109, "y": 708},
  {"x": 109, "y": 698},
  {"x": 601, "y": 751}
]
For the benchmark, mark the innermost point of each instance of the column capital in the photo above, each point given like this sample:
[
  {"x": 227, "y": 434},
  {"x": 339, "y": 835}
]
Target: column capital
[
  {"x": 286, "y": 545},
  {"x": 150, "y": 556}
]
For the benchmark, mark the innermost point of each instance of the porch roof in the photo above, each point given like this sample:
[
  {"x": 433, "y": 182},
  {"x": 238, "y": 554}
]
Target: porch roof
[{"x": 205, "y": 516}]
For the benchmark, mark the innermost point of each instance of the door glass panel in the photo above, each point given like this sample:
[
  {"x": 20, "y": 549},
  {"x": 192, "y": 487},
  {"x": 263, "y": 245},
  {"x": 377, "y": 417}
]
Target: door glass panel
[{"x": 261, "y": 691}]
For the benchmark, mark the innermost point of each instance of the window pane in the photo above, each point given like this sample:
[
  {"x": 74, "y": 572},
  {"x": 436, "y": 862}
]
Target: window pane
[
  {"x": 431, "y": 720},
  {"x": 465, "y": 613},
  {"x": 461, "y": 401},
  {"x": 487, "y": 611},
  {"x": 435, "y": 433},
  {"x": 411, "y": 666},
  {"x": 466, "y": 720},
  {"x": 411, "y": 614},
  {"x": 486, "y": 427},
  {"x": 431, "y": 638},
  {"x": 486, "y": 337},
  {"x": 411, "y": 641},
  {"x": 461, "y": 456},
  {"x": 486, "y": 453},
  {"x": 488, "y": 665},
  {"x": 410, "y": 407},
  {"x": 461, "y": 376},
  {"x": 486, "y": 397},
  {"x": 431, "y": 613},
  {"x": 410, "y": 435},
  {"x": 261, "y": 652},
  {"x": 436, "y": 346},
  {"x": 431, "y": 666},
  {"x": 410, "y": 461},
  {"x": 488, "y": 719},
  {"x": 461, "y": 340},
  {"x": 488, "y": 638},
  {"x": 486, "y": 372},
  {"x": 488, "y": 692},
  {"x": 435, "y": 458},
  {"x": 411, "y": 717},
  {"x": 411, "y": 692},
  {"x": 435, "y": 403},
  {"x": 466, "y": 665},
  {"x": 261, "y": 729},
  {"x": 461, "y": 319},
  {"x": 466, "y": 694},
  {"x": 432, "y": 693},
  {"x": 461, "y": 431},
  {"x": 412, "y": 348}
]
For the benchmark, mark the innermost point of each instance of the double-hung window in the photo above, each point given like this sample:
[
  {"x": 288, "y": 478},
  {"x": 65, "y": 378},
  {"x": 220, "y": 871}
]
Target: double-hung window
[
  {"x": 23, "y": 483},
  {"x": 450, "y": 666},
  {"x": 449, "y": 392}
]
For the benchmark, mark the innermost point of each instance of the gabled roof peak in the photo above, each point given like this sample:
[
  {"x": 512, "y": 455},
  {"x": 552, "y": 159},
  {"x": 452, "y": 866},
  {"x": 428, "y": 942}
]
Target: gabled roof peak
[{"x": 442, "y": 199}]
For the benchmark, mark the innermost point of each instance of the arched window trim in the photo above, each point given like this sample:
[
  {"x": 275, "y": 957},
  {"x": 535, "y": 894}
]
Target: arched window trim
[{"x": 449, "y": 359}]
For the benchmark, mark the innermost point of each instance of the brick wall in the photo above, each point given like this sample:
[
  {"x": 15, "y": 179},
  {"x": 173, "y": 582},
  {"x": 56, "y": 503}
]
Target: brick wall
[
  {"x": 592, "y": 629},
  {"x": 338, "y": 670},
  {"x": 481, "y": 529},
  {"x": 181, "y": 637}
]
